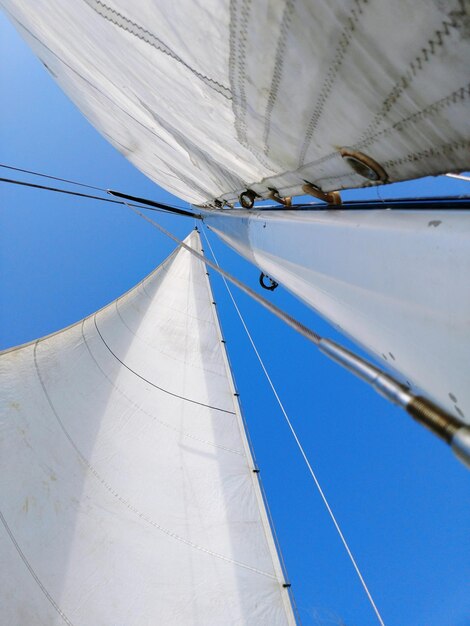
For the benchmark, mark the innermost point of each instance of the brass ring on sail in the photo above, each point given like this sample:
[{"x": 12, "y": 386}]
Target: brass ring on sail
[
  {"x": 364, "y": 165},
  {"x": 271, "y": 286}
]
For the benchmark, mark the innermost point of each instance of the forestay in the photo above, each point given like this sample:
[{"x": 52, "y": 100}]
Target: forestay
[
  {"x": 211, "y": 98},
  {"x": 128, "y": 491}
]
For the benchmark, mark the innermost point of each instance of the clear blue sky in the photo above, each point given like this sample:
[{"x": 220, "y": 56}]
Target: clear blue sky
[{"x": 401, "y": 498}]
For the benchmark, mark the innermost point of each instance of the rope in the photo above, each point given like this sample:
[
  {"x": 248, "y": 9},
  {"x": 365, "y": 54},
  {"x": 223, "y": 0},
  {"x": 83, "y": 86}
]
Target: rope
[
  {"x": 288, "y": 319},
  {"x": 63, "y": 180},
  {"x": 299, "y": 445},
  {"x": 162, "y": 208}
]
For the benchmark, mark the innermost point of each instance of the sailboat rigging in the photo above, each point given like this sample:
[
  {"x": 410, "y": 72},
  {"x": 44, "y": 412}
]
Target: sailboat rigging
[{"x": 371, "y": 107}]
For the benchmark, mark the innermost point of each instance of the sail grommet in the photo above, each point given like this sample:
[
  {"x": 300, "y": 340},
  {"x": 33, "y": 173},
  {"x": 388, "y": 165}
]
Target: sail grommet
[
  {"x": 247, "y": 198},
  {"x": 271, "y": 286},
  {"x": 364, "y": 165},
  {"x": 274, "y": 195}
]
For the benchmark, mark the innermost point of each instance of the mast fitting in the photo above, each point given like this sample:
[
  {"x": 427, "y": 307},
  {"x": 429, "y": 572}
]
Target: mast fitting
[
  {"x": 247, "y": 198},
  {"x": 274, "y": 195},
  {"x": 272, "y": 283},
  {"x": 330, "y": 197},
  {"x": 447, "y": 427}
]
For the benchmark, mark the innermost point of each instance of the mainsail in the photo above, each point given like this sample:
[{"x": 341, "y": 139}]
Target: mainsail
[
  {"x": 211, "y": 98},
  {"x": 128, "y": 490}
]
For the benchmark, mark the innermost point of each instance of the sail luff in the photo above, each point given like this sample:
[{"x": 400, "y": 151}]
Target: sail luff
[{"x": 262, "y": 504}]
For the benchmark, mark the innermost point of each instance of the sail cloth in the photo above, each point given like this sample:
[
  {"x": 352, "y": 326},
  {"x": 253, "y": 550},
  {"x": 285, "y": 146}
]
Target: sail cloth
[
  {"x": 395, "y": 281},
  {"x": 210, "y": 98},
  {"x": 128, "y": 495}
]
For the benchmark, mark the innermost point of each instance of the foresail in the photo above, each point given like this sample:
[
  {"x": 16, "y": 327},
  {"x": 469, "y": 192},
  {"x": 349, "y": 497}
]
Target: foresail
[
  {"x": 128, "y": 491},
  {"x": 209, "y": 99}
]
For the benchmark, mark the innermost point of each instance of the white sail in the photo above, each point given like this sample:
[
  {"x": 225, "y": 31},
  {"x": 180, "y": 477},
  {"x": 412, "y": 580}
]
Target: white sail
[
  {"x": 394, "y": 281},
  {"x": 128, "y": 495},
  {"x": 210, "y": 98}
]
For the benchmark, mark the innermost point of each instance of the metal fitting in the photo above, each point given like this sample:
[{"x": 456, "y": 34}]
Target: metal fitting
[
  {"x": 364, "y": 165},
  {"x": 330, "y": 197}
]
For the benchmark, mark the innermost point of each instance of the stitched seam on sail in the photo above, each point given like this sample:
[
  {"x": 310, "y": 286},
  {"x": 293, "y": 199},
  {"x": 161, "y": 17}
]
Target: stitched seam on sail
[
  {"x": 126, "y": 503},
  {"x": 430, "y": 152},
  {"x": 459, "y": 95},
  {"x": 32, "y": 572},
  {"x": 156, "y": 419},
  {"x": 170, "y": 393},
  {"x": 437, "y": 41},
  {"x": 413, "y": 156},
  {"x": 340, "y": 53},
  {"x": 237, "y": 74},
  {"x": 119, "y": 20},
  {"x": 277, "y": 72}
]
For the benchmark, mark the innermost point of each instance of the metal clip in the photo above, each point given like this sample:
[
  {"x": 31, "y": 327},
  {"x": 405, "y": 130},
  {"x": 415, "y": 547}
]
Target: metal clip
[
  {"x": 247, "y": 198},
  {"x": 273, "y": 284},
  {"x": 331, "y": 197},
  {"x": 274, "y": 195}
]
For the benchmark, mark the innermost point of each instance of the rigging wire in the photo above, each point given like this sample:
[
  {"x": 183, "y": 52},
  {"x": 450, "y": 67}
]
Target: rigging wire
[
  {"x": 297, "y": 440},
  {"x": 151, "y": 206},
  {"x": 63, "y": 180},
  {"x": 275, "y": 310},
  {"x": 56, "y": 190},
  {"x": 446, "y": 426}
]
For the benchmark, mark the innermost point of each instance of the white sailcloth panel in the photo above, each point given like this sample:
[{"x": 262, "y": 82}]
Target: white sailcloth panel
[
  {"x": 128, "y": 496},
  {"x": 395, "y": 281},
  {"x": 210, "y": 98}
]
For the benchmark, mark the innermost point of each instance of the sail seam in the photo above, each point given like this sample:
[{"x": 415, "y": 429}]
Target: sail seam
[
  {"x": 435, "y": 43},
  {"x": 237, "y": 74},
  {"x": 443, "y": 149},
  {"x": 123, "y": 500},
  {"x": 142, "y": 410},
  {"x": 340, "y": 53},
  {"x": 457, "y": 96},
  {"x": 429, "y": 152},
  {"x": 277, "y": 72},
  {"x": 119, "y": 20},
  {"x": 32, "y": 572},
  {"x": 170, "y": 393}
]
